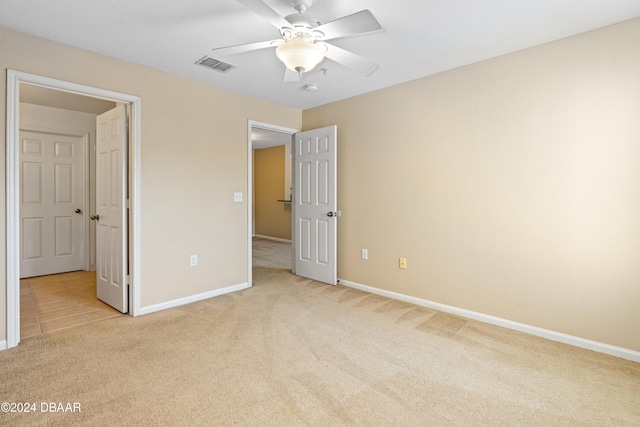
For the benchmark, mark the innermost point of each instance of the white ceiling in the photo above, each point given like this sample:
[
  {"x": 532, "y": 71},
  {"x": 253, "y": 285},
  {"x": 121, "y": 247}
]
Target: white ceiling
[{"x": 419, "y": 37}]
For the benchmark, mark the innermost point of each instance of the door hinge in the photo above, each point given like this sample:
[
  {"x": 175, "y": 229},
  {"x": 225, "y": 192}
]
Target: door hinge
[
  {"x": 127, "y": 204},
  {"x": 128, "y": 279}
]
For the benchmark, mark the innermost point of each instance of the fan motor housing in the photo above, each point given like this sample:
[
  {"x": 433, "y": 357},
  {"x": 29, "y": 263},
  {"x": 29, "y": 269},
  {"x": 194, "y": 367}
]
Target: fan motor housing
[{"x": 301, "y": 25}]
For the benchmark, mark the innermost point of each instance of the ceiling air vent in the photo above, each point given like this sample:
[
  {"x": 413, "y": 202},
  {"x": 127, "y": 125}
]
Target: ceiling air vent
[{"x": 215, "y": 64}]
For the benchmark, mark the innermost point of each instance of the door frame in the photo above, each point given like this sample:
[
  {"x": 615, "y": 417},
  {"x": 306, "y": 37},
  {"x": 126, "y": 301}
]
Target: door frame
[
  {"x": 14, "y": 80},
  {"x": 252, "y": 124}
]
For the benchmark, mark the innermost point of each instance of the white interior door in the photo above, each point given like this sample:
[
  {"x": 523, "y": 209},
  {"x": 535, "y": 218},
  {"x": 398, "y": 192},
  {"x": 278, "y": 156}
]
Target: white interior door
[
  {"x": 111, "y": 212},
  {"x": 52, "y": 183},
  {"x": 315, "y": 215}
]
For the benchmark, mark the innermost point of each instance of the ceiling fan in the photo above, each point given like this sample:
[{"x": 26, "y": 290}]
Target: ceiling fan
[{"x": 304, "y": 40}]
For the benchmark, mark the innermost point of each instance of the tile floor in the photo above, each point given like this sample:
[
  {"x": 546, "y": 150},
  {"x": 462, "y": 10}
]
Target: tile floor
[{"x": 50, "y": 303}]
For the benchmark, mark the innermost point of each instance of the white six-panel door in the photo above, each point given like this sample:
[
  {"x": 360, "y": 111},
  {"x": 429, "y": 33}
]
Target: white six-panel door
[
  {"x": 51, "y": 201},
  {"x": 111, "y": 218},
  {"x": 315, "y": 181}
]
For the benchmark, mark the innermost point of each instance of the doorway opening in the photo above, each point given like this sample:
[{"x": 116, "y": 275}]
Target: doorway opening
[
  {"x": 57, "y": 186},
  {"x": 314, "y": 211},
  {"x": 263, "y": 136},
  {"x": 16, "y": 80}
]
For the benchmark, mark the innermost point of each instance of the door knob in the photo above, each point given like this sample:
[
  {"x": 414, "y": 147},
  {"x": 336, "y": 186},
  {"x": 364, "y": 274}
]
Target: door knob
[
  {"x": 337, "y": 214},
  {"x": 329, "y": 213},
  {"x": 95, "y": 217},
  {"x": 78, "y": 211}
]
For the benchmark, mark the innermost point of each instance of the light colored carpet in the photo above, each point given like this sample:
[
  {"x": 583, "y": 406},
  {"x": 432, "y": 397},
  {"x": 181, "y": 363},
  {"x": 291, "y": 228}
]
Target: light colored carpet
[{"x": 293, "y": 352}]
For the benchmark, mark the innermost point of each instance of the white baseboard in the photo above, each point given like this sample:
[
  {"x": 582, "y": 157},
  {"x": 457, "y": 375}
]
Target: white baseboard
[
  {"x": 3, "y": 345},
  {"x": 620, "y": 352},
  {"x": 193, "y": 298},
  {"x": 275, "y": 239}
]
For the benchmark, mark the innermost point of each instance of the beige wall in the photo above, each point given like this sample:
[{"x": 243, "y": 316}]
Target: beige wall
[
  {"x": 272, "y": 218},
  {"x": 511, "y": 186},
  {"x": 193, "y": 158}
]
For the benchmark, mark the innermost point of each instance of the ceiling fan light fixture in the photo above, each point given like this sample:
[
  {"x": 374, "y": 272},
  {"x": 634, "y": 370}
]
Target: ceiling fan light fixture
[{"x": 300, "y": 55}]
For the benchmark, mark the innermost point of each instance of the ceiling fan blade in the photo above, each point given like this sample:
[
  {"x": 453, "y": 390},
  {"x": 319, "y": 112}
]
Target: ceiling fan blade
[
  {"x": 290, "y": 76},
  {"x": 247, "y": 47},
  {"x": 350, "y": 59},
  {"x": 350, "y": 25},
  {"x": 263, "y": 10}
]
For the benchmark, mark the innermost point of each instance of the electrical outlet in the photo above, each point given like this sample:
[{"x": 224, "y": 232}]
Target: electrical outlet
[
  {"x": 365, "y": 254},
  {"x": 237, "y": 197},
  {"x": 193, "y": 260},
  {"x": 403, "y": 263}
]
